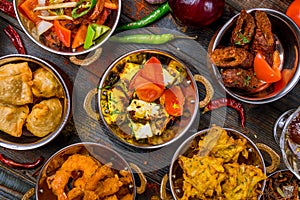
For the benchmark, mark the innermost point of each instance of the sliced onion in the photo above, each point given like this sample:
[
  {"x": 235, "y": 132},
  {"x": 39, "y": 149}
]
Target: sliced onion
[
  {"x": 43, "y": 26},
  {"x": 56, "y": 6},
  {"x": 42, "y": 2},
  {"x": 55, "y": 17}
]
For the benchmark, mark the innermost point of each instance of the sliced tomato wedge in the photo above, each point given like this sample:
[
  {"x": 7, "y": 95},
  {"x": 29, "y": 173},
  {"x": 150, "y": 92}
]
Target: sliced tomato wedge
[
  {"x": 146, "y": 90},
  {"x": 173, "y": 100},
  {"x": 264, "y": 71},
  {"x": 153, "y": 72}
]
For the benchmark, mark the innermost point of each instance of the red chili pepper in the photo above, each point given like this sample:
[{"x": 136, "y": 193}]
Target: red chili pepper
[
  {"x": 218, "y": 103},
  {"x": 8, "y": 8},
  {"x": 15, "y": 38},
  {"x": 15, "y": 164}
]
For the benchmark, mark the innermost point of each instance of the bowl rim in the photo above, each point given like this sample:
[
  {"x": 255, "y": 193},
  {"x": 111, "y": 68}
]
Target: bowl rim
[
  {"x": 185, "y": 144},
  {"x": 94, "y": 47},
  {"x": 294, "y": 80},
  {"x": 84, "y": 145},
  {"x": 160, "y": 52},
  {"x": 282, "y": 142},
  {"x": 67, "y": 107}
]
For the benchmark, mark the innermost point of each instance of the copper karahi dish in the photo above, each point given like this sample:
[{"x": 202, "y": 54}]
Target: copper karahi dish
[
  {"x": 212, "y": 163},
  {"x": 149, "y": 98},
  {"x": 34, "y": 102},
  {"x": 69, "y": 27},
  {"x": 87, "y": 171},
  {"x": 252, "y": 58}
]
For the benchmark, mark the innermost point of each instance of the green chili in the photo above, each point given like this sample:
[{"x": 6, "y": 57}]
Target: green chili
[
  {"x": 152, "y": 17},
  {"x": 94, "y": 31},
  {"x": 148, "y": 38},
  {"x": 85, "y": 5}
]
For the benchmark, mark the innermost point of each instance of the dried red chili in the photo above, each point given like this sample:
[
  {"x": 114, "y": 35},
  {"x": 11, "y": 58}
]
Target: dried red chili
[
  {"x": 15, "y": 38},
  {"x": 8, "y": 8},
  {"x": 14, "y": 164},
  {"x": 218, "y": 103}
]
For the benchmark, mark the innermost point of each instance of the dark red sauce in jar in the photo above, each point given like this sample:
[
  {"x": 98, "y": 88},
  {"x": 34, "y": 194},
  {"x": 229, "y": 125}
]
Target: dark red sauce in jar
[{"x": 294, "y": 129}]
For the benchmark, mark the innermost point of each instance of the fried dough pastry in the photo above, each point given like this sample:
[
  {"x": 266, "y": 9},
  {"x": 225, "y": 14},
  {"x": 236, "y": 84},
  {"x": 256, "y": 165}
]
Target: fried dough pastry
[
  {"x": 13, "y": 118},
  {"x": 16, "y": 90},
  {"x": 232, "y": 57},
  {"x": 243, "y": 32},
  {"x": 44, "y": 117},
  {"x": 46, "y": 85},
  {"x": 13, "y": 69}
]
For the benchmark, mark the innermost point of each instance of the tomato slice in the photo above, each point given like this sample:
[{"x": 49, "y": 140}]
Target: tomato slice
[
  {"x": 264, "y": 71},
  {"x": 173, "y": 100},
  {"x": 152, "y": 71},
  {"x": 146, "y": 90},
  {"x": 293, "y": 12}
]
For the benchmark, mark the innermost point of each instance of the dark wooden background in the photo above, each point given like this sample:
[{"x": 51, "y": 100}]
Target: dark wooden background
[{"x": 260, "y": 119}]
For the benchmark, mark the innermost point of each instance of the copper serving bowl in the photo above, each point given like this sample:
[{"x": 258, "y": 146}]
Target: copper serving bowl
[
  {"x": 93, "y": 153},
  {"x": 288, "y": 48},
  {"x": 31, "y": 30},
  {"x": 27, "y": 140},
  {"x": 189, "y": 148},
  {"x": 114, "y": 105}
]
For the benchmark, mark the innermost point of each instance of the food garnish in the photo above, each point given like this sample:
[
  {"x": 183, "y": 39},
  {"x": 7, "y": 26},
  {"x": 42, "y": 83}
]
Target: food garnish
[
  {"x": 15, "y": 38},
  {"x": 11, "y": 163},
  {"x": 221, "y": 102}
]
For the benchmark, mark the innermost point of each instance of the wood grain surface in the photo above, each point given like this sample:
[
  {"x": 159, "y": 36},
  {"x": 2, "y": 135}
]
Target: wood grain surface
[{"x": 155, "y": 164}]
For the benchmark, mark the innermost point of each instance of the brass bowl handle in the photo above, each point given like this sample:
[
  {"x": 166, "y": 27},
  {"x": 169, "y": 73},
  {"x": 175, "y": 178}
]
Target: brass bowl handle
[
  {"x": 86, "y": 61},
  {"x": 28, "y": 194},
  {"x": 274, "y": 157},
  {"x": 163, "y": 188},
  {"x": 142, "y": 188},
  {"x": 208, "y": 87},
  {"x": 87, "y": 104}
]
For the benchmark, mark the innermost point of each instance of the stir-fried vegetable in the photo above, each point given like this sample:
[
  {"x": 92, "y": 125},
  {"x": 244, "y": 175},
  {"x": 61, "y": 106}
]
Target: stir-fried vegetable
[
  {"x": 68, "y": 25},
  {"x": 63, "y": 33},
  {"x": 84, "y": 6}
]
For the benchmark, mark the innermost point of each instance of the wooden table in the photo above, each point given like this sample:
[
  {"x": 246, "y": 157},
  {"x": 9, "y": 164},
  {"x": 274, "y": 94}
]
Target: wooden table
[{"x": 260, "y": 119}]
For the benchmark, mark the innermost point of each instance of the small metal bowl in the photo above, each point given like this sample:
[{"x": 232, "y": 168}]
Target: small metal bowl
[
  {"x": 30, "y": 30},
  {"x": 99, "y": 153},
  {"x": 287, "y": 36},
  {"x": 27, "y": 141},
  {"x": 189, "y": 148},
  {"x": 289, "y": 148}
]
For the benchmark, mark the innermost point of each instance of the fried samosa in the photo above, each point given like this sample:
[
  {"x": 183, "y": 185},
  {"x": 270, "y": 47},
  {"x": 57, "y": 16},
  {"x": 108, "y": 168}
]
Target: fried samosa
[
  {"x": 46, "y": 85},
  {"x": 44, "y": 117},
  {"x": 13, "y": 69},
  {"x": 16, "y": 90},
  {"x": 13, "y": 118}
]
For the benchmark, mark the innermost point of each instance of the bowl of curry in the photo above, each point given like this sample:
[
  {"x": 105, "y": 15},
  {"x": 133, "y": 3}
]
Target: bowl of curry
[
  {"x": 252, "y": 58},
  {"x": 218, "y": 163},
  {"x": 148, "y": 98},
  {"x": 87, "y": 171},
  {"x": 68, "y": 27},
  {"x": 35, "y": 103}
]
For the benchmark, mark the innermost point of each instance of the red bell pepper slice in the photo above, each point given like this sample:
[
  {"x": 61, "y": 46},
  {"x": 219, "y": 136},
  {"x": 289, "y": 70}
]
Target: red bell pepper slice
[
  {"x": 26, "y": 8},
  {"x": 173, "y": 100},
  {"x": 63, "y": 33},
  {"x": 264, "y": 71}
]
